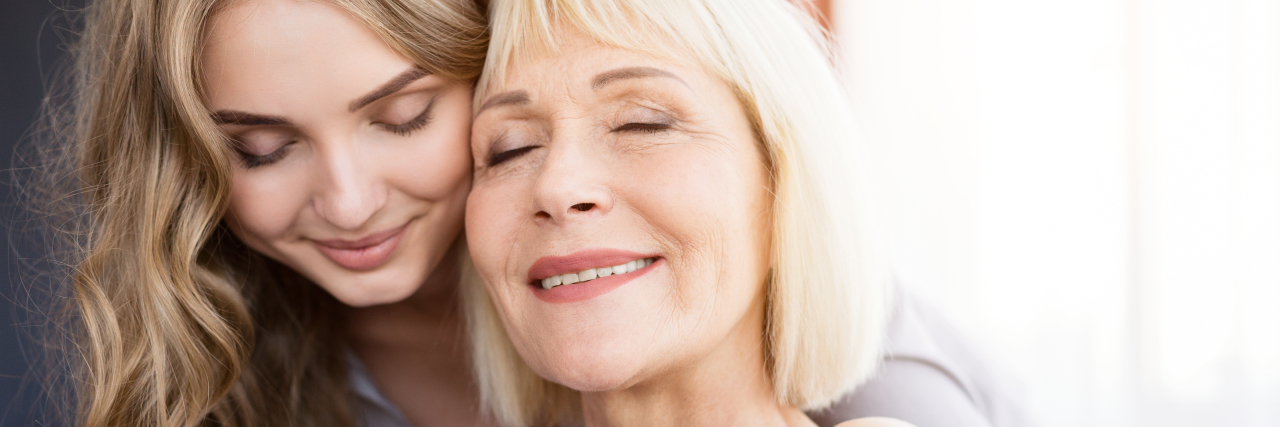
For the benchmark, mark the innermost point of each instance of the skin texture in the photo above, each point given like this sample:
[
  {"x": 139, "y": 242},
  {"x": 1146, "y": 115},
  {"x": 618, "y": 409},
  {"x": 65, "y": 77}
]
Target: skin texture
[
  {"x": 661, "y": 165},
  {"x": 335, "y": 169}
]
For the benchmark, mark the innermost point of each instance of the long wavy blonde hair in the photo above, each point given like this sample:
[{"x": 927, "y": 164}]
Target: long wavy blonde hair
[{"x": 172, "y": 321}]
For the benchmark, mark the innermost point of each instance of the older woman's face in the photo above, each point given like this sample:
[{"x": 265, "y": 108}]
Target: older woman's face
[
  {"x": 353, "y": 163},
  {"x": 619, "y": 215}
]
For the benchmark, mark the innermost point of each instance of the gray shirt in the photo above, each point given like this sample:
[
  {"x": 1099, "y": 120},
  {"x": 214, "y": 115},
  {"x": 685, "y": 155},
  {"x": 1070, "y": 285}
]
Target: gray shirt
[
  {"x": 372, "y": 409},
  {"x": 931, "y": 377}
]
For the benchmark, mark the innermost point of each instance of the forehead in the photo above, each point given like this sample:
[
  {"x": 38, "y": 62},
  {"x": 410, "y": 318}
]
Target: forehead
[
  {"x": 280, "y": 48},
  {"x": 573, "y": 58}
]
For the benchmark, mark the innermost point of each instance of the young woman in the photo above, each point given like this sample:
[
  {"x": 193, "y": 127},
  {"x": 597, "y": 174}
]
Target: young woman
[{"x": 265, "y": 199}]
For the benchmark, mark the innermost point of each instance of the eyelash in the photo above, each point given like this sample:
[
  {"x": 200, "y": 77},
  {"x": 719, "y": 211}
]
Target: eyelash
[
  {"x": 406, "y": 128},
  {"x": 643, "y": 127},
  {"x": 498, "y": 158},
  {"x": 251, "y": 161}
]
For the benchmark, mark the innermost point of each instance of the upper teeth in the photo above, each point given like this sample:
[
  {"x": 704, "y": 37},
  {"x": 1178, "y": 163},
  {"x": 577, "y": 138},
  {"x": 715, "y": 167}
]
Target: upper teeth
[{"x": 593, "y": 273}]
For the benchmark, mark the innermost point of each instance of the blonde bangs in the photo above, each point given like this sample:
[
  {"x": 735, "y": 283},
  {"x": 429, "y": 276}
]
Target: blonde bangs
[{"x": 524, "y": 30}]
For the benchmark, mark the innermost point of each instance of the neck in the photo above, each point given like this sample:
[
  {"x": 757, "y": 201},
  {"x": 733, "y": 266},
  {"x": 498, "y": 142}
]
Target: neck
[
  {"x": 729, "y": 386},
  {"x": 416, "y": 350},
  {"x": 431, "y": 311}
]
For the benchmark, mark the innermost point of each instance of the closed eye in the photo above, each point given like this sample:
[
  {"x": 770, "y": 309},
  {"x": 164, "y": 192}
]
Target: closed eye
[
  {"x": 497, "y": 158},
  {"x": 643, "y": 127},
  {"x": 251, "y": 161},
  {"x": 406, "y": 128}
]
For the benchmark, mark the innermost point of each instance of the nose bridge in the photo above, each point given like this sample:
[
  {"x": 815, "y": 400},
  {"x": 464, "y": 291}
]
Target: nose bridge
[
  {"x": 573, "y": 179},
  {"x": 350, "y": 191}
]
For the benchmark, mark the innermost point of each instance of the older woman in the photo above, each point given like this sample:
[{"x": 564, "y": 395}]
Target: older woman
[{"x": 663, "y": 216}]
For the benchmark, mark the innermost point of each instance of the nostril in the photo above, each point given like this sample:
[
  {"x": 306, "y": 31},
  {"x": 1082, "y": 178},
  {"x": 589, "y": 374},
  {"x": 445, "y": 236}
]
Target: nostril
[
  {"x": 542, "y": 215},
  {"x": 583, "y": 207}
]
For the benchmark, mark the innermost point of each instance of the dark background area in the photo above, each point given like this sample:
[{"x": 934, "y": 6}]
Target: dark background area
[{"x": 33, "y": 36}]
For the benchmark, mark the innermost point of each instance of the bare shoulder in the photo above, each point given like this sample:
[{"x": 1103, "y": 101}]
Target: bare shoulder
[{"x": 874, "y": 422}]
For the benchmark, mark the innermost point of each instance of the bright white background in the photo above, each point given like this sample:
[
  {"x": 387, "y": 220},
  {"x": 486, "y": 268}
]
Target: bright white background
[{"x": 1090, "y": 189}]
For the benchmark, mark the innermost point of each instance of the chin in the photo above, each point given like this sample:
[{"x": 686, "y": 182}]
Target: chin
[
  {"x": 588, "y": 379},
  {"x": 591, "y": 366},
  {"x": 370, "y": 288},
  {"x": 369, "y": 301}
]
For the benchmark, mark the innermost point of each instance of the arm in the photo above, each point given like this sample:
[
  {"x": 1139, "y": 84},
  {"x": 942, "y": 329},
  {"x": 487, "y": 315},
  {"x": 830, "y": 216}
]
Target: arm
[{"x": 909, "y": 390}]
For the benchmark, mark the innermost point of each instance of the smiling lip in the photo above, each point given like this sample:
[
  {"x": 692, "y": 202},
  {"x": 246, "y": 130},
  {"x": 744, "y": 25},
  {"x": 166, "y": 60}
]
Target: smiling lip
[
  {"x": 366, "y": 253},
  {"x": 548, "y": 266}
]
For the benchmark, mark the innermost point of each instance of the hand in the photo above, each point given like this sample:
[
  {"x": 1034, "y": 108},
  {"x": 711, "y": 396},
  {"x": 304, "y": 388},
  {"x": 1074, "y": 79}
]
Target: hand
[{"x": 875, "y": 422}]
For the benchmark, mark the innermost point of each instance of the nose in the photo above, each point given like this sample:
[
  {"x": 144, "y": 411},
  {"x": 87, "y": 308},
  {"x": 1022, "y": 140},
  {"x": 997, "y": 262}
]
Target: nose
[
  {"x": 572, "y": 186},
  {"x": 350, "y": 190}
]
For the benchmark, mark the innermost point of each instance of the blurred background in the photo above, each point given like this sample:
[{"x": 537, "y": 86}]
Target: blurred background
[
  {"x": 1090, "y": 189},
  {"x": 32, "y": 43}
]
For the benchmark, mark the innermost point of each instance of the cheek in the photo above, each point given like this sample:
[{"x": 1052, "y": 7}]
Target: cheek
[
  {"x": 436, "y": 164},
  {"x": 264, "y": 204},
  {"x": 700, "y": 195},
  {"x": 711, "y": 208},
  {"x": 493, "y": 227}
]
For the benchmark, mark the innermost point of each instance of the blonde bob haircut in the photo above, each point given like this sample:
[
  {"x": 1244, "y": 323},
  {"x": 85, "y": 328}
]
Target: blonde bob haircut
[{"x": 827, "y": 296}]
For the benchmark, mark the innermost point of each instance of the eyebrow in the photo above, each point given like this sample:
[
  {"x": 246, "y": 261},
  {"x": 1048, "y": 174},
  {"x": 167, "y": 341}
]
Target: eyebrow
[
  {"x": 392, "y": 86},
  {"x": 520, "y": 97},
  {"x": 231, "y": 117},
  {"x": 611, "y": 76},
  {"x": 515, "y": 97}
]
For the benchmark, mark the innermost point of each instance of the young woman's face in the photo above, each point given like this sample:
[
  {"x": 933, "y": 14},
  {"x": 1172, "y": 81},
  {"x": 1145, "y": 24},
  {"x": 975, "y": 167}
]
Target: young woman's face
[
  {"x": 619, "y": 216},
  {"x": 353, "y": 165}
]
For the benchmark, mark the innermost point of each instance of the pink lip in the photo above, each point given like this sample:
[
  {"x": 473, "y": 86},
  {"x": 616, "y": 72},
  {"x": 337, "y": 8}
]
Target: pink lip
[
  {"x": 548, "y": 266},
  {"x": 366, "y": 253}
]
